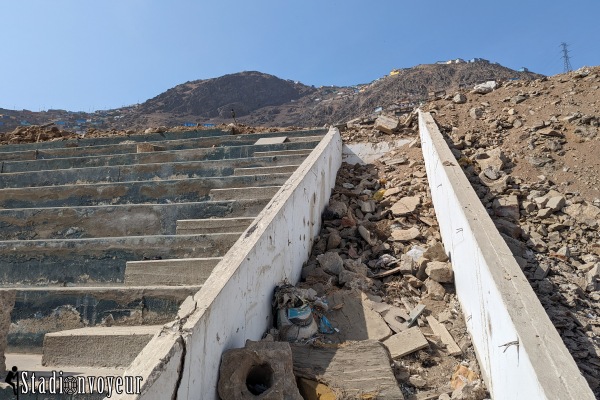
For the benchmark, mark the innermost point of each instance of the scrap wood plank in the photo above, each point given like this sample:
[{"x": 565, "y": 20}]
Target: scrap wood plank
[{"x": 440, "y": 330}]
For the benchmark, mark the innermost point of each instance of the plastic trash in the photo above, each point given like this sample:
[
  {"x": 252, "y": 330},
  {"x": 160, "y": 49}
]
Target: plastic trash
[
  {"x": 325, "y": 326},
  {"x": 415, "y": 252}
]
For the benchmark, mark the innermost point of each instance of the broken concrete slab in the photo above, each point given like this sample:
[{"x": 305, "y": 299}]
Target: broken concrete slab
[
  {"x": 355, "y": 319},
  {"x": 392, "y": 317},
  {"x": 440, "y": 330},
  {"x": 406, "y": 342},
  {"x": 439, "y": 271},
  {"x": 406, "y": 205},
  {"x": 507, "y": 207},
  {"x": 336, "y": 367},
  {"x": 387, "y": 124},
  {"x": 405, "y": 235}
]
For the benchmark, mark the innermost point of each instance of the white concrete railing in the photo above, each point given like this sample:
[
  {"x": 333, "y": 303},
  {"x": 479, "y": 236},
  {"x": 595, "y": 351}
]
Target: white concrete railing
[
  {"x": 519, "y": 350},
  {"x": 234, "y": 304}
]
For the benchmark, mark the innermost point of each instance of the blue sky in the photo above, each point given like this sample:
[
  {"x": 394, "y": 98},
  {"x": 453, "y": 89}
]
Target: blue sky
[{"x": 80, "y": 55}]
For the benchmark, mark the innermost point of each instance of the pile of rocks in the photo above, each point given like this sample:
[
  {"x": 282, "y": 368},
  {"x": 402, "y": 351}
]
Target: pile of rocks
[
  {"x": 379, "y": 247},
  {"x": 379, "y": 128}
]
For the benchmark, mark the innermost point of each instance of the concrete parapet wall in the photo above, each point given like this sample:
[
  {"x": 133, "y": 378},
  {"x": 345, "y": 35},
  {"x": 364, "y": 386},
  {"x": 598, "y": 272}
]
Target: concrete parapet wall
[
  {"x": 235, "y": 302},
  {"x": 519, "y": 350}
]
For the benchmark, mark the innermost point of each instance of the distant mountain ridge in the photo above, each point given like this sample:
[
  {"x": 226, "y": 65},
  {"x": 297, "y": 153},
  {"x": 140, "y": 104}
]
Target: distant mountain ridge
[{"x": 263, "y": 99}]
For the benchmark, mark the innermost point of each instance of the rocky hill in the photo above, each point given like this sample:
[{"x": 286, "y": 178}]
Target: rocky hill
[{"x": 262, "y": 99}]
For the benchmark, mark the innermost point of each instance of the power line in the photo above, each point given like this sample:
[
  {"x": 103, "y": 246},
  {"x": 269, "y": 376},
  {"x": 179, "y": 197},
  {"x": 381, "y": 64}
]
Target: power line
[{"x": 566, "y": 58}]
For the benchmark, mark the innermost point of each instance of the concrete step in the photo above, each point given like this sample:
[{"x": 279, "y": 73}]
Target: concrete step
[
  {"x": 142, "y": 172},
  {"x": 33, "y": 362},
  {"x": 216, "y": 153},
  {"x": 263, "y": 192},
  {"x": 39, "y": 310},
  {"x": 104, "y": 221},
  {"x": 7, "y": 150},
  {"x": 186, "y": 271},
  {"x": 98, "y": 260},
  {"x": 107, "y": 347},
  {"x": 161, "y": 192},
  {"x": 266, "y": 170},
  {"x": 114, "y": 139},
  {"x": 300, "y": 152},
  {"x": 138, "y": 147},
  {"x": 212, "y": 225}
]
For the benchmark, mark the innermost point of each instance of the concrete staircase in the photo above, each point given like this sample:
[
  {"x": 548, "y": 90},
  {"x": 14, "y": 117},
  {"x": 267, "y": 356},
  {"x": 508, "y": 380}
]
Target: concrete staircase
[{"x": 104, "y": 238}]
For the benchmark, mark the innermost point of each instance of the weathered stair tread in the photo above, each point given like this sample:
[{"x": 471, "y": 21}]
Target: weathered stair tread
[
  {"x": 128, "y": 146},
  {"x": 186, "y": 271},
  {"x": 265, "y": 170},
  {"x": 213, "y": 225},
  {"x": 256, "y": 192},
  {"x": 120, "y": 220},
  {"x": 33, "y": 362},
  {"x": 213, "y": 153},
  {"x": 142, "y": 172},
  {"x": 132, "y": 192},
  {"x": 99, "y": 259},
  {"x": 281, "y": 153},
  {"x": 115, "y": 346}
]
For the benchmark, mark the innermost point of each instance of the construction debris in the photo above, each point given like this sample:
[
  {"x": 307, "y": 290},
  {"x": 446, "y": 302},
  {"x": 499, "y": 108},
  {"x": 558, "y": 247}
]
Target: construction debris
[
  {"x": 380, "y": 268},
  {"x": 354, "y": 370},
  {"x": 532, "y": 160},
  {"x": 260, "y": 369}
]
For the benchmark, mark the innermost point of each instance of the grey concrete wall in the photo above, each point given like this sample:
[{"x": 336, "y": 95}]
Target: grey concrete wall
[
  {"x": 101, "y": 260},
  {"x": 235, "y": 302},
  {"x": 141, "y": 172},
  {"x": 160, "y": 192},
  {"x": 519, "y": 351}
]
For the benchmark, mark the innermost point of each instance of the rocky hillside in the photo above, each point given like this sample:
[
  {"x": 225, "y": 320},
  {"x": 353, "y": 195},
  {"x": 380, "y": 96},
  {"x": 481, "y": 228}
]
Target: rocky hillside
[{"x": 262, "y": 99}]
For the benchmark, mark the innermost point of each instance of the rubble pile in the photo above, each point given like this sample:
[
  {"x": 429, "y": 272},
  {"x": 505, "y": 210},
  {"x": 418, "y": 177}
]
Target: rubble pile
[
  {"x": 35, "y": 133},
  {"x": 530, "y": 151},
  {"x": 378, "y": 272},
  {"x": 377, "y": 128}
]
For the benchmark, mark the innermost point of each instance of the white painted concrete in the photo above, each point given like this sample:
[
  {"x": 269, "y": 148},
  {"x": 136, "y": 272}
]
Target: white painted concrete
[
  {"x": 519, "y": 350},
  {"x": 234, "y": 304},
  {"x": 365, "y": 153}
]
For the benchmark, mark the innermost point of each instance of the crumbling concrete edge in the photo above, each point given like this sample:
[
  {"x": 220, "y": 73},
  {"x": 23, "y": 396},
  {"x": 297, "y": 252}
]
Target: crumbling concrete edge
[
  {"x": 234, "y": 303},
  {"x": 520, "y": 352}
]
